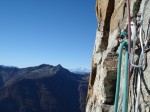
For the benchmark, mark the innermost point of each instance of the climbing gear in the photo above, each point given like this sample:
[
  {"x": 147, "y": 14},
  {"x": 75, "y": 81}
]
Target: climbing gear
[
  {"x": 123, "y": 34},
  {"x": 133, "y": 41},
  {"x": 142, "y": 57},
  {"x": 137, "y": 34},
  {"x": 143, "y": 43},
  {"x": 140, "y": 63},
  {"x": 127, "y": 68},
  {"x": 122, "y": 37},
  {"x": 125, "y": 93}
]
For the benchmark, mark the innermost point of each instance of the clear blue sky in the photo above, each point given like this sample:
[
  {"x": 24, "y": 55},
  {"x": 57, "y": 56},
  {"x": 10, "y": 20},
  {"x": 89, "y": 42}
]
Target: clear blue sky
[{"x": 33, "y": 32}]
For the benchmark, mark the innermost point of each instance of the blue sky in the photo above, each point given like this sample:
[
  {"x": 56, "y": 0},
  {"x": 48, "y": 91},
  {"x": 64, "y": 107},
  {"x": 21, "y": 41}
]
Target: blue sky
[{"x": 33, "y": 32}]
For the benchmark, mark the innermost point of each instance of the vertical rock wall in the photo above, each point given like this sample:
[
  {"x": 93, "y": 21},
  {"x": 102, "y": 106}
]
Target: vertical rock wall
[{"x": 112, "y": 18}]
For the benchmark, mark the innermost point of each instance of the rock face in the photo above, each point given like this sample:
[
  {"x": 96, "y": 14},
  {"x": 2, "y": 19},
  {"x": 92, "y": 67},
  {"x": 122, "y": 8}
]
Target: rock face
[
  {"x": 112, "y": 18},
  {"x": 43, "y": 88}
]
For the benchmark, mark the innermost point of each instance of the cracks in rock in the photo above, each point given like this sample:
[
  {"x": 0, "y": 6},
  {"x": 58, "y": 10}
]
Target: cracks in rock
[
  {"x": 144, "y": 82},
  {"x": 110, "y": 87},
  {"x": 98, "y": 12},
  {"x": 134, "y": 85},
  {"x": 92, "y": 80},
  {"x": 109, "y": 12},
  {"x": 93, "y": 75},
  {"x": 134, "y": 74},
  {"x": 136, "y": 8},
  {"x": 110, "y": 63}
]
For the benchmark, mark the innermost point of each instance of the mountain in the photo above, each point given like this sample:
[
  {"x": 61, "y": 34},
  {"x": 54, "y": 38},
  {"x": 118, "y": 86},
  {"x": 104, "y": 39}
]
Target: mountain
[
  {"x": 43, "y": 88},
  {"x": 80, "y": 70}
]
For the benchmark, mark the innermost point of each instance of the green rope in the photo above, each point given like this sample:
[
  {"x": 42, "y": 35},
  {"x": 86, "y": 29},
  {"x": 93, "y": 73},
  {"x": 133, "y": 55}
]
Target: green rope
[{"x": 125, "y": 98}]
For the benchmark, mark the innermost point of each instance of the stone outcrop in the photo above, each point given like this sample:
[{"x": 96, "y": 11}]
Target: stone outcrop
[{"x": 112, "y": 18}]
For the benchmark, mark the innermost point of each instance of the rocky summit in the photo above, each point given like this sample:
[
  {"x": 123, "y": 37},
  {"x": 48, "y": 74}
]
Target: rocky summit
[{"x": 43, "y": 88}]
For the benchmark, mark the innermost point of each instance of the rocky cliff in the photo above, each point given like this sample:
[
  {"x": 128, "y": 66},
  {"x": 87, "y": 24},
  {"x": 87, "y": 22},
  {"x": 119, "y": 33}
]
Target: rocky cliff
[{"x": 112, "y": 18}]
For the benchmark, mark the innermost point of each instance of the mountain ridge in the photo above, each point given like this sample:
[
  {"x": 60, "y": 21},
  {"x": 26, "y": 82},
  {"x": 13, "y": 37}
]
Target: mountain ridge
[{"x": 42, "y": 88}]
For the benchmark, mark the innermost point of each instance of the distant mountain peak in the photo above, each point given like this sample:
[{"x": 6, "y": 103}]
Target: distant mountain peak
[
  {"x": 3, "y": 66},
  {"x": 80, "y": 70},
  {"x": 59, "y": 66},
  {"x": 50, "y": 66},
  {"x": 45, "y": 65}
]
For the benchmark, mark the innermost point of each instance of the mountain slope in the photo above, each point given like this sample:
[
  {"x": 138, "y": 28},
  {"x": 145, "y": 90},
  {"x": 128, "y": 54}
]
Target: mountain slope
[{"x": 43, "y": 88}]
